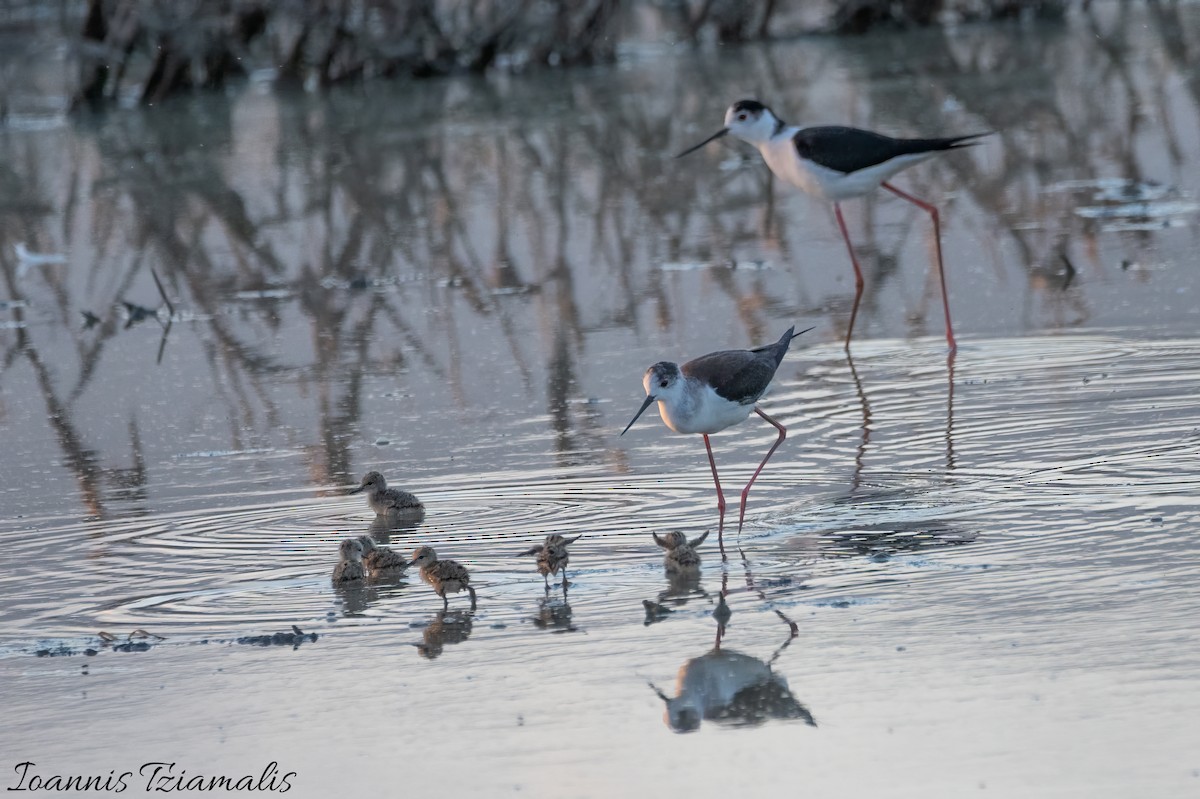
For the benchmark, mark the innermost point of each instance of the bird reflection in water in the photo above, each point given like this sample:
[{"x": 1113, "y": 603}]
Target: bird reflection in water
[
  {"x": 381, "y": 528},
  {"x": 655, "y": 611},
  {"x": 722, "y": 614},
  {"x": 733, "y": 689},
  {"x": 682, "y": 586},
  {"x": 554, "y": 615},
  {"x": 883, "y": 542},
  {"x": 356, "y": 597},
  {"x": 447, "y": 627}
]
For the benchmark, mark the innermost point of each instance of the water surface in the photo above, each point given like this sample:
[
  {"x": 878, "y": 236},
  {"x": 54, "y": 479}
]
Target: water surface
[{"x": 990, "y": 561}]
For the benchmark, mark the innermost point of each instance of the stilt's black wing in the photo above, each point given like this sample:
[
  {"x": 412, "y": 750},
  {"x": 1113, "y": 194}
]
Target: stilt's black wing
[
  {"x": 741, "y": 376},
  {"x": 736, "y": 375},
  {"x": 851, "y": 149}
]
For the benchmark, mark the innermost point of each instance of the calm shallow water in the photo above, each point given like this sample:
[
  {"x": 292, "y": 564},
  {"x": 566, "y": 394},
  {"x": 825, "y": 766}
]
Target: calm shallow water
[{"x": 991, "y": 563}]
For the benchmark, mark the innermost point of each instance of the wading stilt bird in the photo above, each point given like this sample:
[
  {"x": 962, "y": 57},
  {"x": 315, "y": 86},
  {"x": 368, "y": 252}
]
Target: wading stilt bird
[
  {"x": 552, "y": 556},
  {"x": 381, "y": 562},
  {"x": 386, "y": 501},
  {"x": 350, "y": 565},
  {"x": 838, "y": 163},
  {"x": 681, "y": 557},
  {"x": 445, "y": 576},
  {"x": 713, "y": 392}
]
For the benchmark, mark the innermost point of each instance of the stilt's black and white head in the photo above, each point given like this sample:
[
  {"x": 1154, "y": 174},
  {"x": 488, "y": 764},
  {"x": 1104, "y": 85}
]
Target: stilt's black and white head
[
  {"x": 752, "y": 121},
  {"x": 748, "y": 120},
  {"x": 663, "y": 382}
]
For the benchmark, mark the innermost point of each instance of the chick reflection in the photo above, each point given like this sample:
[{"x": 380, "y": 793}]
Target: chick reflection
[
  {"x": 447, "y": 627},
  {"x": 730, "y": 688},
  {"x": 382, "y": 527},
  {"x": 554, "y": 615},
  {"x": 356, "y": 597}
]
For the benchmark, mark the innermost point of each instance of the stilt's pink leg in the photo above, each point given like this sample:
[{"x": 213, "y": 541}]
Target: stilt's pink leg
[
  {"x": 717, "y": 480},
  {"x": 720, "y": 495},
  {"x": 937, "y": 238},
  {"x": 746, "y": 491},
  {"x": 858, "y": 277}
]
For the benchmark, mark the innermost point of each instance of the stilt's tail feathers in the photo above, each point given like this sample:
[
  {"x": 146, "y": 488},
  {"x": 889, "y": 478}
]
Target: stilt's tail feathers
[
  {"x": 954, "y": 142},
  {"x": 781, "y": 347}
]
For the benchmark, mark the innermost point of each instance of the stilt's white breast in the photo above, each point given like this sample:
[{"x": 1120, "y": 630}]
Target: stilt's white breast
[
  {"x": 782, "y": 158},
  {"x": 701, "y": 410}
]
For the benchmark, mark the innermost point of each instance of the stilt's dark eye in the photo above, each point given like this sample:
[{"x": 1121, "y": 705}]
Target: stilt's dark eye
[
  {"x": 662, "y": 383},
  {"x": 742, "y": 116}
]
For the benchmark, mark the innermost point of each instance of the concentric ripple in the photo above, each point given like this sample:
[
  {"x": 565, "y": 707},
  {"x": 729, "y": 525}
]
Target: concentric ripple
[{"x": 886, "y": 476}]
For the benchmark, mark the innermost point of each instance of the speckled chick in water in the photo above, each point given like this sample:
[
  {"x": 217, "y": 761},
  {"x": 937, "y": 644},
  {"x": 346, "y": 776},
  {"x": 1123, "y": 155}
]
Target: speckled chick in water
[
  {"x": 445, "y": 576},
  {"x": 681, "y": 557},
  {"x": 386, "y": 501},
  {"x": 552, "y": 556},
  {"x": 381, "y": 562},
  {"x": 350, "y": 567}
]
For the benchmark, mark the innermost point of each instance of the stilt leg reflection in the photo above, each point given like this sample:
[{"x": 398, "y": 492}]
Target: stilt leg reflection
[
  {"x": 950, "y": 459},
  {"x": 860, "y": 455},
  {"x": 858, "y": 276}
]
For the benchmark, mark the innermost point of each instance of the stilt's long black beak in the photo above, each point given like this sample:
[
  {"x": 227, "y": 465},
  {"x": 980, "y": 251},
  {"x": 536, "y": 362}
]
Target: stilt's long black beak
[
  {"x": 356, "y": 490},
  {"x": 713, "y": 137},
  {"x": 641, "y": 410}
]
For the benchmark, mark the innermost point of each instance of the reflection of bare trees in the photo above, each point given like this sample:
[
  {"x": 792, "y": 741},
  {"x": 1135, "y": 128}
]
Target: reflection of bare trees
[
  {"x": 1080, "y": 129},
  {"x": 323, "y": 244},
  {"x": 859, "y": 16}
]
